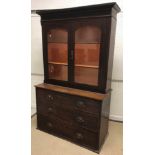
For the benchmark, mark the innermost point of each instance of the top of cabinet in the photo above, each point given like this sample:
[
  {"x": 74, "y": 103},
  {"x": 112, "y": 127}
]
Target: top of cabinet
[
  {"x": 73, "y": 91},
  {"x": 99, "y": 10}
]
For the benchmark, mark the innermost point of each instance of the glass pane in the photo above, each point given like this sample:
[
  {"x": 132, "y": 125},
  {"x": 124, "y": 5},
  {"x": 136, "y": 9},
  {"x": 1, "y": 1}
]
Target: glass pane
[
  {"x": 87, "y": 51},
  {"x": 57, "y": 35},
  {"x": 58, "y": 54},
  {"x": 58, "y": 72},
  {"x": 87, "y": 54},
  {"x": 86, "y": 75},
  {"x": 88, "y": 34}
]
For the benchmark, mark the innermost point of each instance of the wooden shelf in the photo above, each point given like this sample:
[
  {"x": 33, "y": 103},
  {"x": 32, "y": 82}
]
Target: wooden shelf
[
  {"x": 76, "y": 65},
  {"x": 87, "y": 42},
  {"x": 58, "y": 42},
  {"x": 58, "y": 63},
  {"x": 86, "y": 66}
]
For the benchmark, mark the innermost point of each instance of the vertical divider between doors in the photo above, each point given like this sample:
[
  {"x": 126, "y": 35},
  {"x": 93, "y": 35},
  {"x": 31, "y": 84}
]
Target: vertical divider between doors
[{"x": 70, "y": 54}]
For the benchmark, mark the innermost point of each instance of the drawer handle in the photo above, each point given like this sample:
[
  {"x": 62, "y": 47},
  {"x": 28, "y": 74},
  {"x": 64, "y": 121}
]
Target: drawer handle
[
  {"x": 50, "y": 36},
  {"x": 79, "y": 119},
  {"x": 50, "y": 97},
  {"x": 79, "y": 136},
  {"x": 50, "y": 125},
  {"x": 80, "y": 104},
  {"x": 50, "y": 109}
]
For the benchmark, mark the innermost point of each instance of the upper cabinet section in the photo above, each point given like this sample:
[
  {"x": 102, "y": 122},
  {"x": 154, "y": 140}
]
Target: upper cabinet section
[
  {"x": 88, "y": 34},
  {"x": 78, "y": 46}
]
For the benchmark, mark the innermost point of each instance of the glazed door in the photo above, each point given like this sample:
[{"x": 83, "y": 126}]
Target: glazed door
[
  {"x": 57, "y": 53},
  {"x": 87, "y": 40}
]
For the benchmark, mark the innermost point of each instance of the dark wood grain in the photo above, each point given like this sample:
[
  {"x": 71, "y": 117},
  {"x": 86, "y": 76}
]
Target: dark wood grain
[
  {"x": 104, "y": 120},
  {"x": 74, "y": 110},
  {"x": 60, "y": 128},
  {"x": 67, "y": 102}
]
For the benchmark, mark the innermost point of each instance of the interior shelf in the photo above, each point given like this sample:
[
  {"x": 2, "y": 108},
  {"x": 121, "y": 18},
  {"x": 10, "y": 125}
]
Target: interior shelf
[
  {"x": 87, "y": 42},
  {"x": 87, "y": 66},
  {"x": 75, "y": 42},
  {"x": 76, "y": 65},
  {"x": 58, "y": 63},
  {"x": 58, "y": 42}
]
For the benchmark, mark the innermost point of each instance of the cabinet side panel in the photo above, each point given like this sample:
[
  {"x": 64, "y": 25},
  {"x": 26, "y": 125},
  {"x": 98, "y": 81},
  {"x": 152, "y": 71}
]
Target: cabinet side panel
[
  {"x": 45, "y": 59},
  {"x": 104, "y": 120},
  {"x": 111, "y": 52}
]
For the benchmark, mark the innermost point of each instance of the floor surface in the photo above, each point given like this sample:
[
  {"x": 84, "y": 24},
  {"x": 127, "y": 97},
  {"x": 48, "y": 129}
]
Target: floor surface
[{"x": 45, "y": 144}]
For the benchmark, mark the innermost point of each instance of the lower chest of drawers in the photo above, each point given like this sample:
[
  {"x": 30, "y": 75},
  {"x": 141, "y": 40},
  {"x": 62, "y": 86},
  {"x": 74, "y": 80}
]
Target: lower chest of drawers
[{"x": 74, "y": 118}]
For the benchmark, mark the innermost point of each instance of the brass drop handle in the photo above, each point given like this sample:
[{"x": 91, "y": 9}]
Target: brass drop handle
[
  {"x": 50, "y": 97},
  {"x": 80, "y": 104},
  {"x": 49, "y": 124},
  {"x": 50, "y": 109},
  {"x": 80, "y": 119},
  {"x": 79, "y": 136}
]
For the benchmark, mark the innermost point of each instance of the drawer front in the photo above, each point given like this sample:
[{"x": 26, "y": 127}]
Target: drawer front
[
  {"x": 68, "y": 102},
  {"x": 76, "y": 118},
  {"x": 60, "y": 128}
]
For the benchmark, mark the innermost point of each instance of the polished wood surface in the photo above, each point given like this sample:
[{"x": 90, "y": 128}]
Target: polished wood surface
[
  {"x": 57, "y": 63},
  {"x": 77, "y": 65},
  {"x": 72, "y": 91}
]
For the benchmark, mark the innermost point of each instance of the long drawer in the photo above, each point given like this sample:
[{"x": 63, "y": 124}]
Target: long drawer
[
  {"x": 67, "y": 101},
  {"x": 76, "y": 118},
  {"x": 60, "y": 128}
]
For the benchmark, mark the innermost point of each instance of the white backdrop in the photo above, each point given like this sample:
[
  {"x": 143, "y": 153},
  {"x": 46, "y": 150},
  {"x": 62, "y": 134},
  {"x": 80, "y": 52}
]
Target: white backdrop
[{"x": 116, "y": 110}]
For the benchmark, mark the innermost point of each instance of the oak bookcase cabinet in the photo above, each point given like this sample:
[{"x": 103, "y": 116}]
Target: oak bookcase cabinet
[{"x": 78, "y": 48}]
